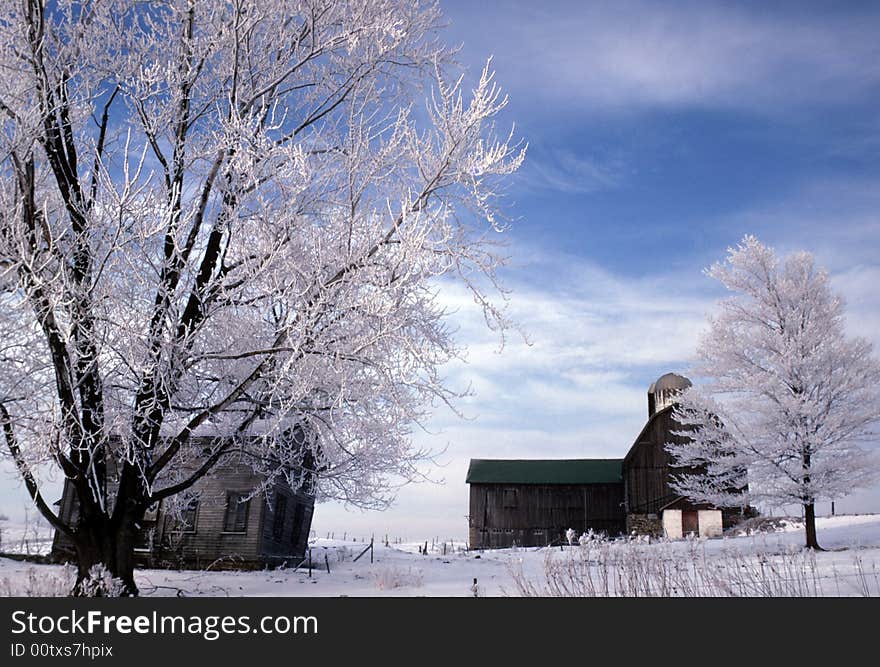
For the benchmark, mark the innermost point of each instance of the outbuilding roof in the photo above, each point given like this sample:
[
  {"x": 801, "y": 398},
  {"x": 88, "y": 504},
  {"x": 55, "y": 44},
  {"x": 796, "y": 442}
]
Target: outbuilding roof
[{"x": 545, "y": 471}]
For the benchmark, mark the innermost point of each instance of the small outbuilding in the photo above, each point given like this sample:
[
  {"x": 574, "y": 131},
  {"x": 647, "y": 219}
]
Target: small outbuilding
[{"x": 534, "y": 502}]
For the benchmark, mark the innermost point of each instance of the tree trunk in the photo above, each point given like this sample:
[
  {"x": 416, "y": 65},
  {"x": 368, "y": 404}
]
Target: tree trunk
[
  {"x": 809, "y": 504},
  {"x": 810, "y": 525},
  {"x": 112, "y": 552},
  {"x": 124, "y": 546}
]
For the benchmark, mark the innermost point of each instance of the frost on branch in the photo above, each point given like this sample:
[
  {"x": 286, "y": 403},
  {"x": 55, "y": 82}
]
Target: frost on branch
[
  {"x": 788, "y": 401},
  {"x": 224, "y": 218}
]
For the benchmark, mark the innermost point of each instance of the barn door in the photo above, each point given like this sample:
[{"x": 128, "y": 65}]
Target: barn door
[{"x": 690, "y": 522}]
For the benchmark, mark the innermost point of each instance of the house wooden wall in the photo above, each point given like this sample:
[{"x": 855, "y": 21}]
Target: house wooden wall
[
  {"x": 161, "y": 542},
  {"x": 504, "y": 515},
  {"x": 292, "y": 540},
  {"x": 209, "y": 542}
]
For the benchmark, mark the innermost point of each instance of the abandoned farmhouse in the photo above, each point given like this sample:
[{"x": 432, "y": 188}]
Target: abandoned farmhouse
[
  {"x": 222, "y": 523},
  {"x": 534, "y": 502}
]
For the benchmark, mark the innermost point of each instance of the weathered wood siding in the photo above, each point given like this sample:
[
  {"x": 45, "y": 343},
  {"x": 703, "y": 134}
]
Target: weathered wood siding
[
  {"x": 648, "y": 466},
  {"x": 210, "y": 542},
  {"x": 161, "y": 541},
  {"x": 504, "y": 515},
  {"x": 290, "y": 541},
  {"x": 62, "y": 546},
  {"x": 648, "y": 472}
]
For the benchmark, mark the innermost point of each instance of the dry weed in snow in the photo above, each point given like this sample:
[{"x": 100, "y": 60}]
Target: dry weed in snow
[
  {"x": 393, "y": 576},
  {"x": 39, "y": 584},
  {"x": 623, "y": 568}
]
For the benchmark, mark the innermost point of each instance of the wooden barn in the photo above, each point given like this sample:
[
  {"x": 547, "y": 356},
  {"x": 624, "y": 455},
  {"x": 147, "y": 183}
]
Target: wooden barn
[
  {"x": 652, "y": 506},
  {"x": 220, "y": 523},
  {"x": 533, "y": 503}
]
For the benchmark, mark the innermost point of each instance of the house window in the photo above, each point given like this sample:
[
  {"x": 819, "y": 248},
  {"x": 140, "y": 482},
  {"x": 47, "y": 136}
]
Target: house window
[
  {"x": 189, "y": 516},
  {"x": 152, "y": 512},
  {"x": 280, "y": 515},
  {"x": 307, "y": 484},
  {"x": 235, "y": 520},
  {"x": 509, "y": 498}
]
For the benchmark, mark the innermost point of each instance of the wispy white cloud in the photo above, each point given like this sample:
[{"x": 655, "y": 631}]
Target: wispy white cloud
[
  {"x": 634, "y": 54},
  {"x": 860, "y": 286},
  {"x": 838, "y": 220},
  {"x": 569, "y": 173},
  {"x": 579, "y": 389},
  {"x": 576, "y": 389}
]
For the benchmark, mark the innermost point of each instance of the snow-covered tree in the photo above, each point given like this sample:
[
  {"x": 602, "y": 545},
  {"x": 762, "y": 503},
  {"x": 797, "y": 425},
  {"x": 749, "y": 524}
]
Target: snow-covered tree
[
  {"x": 788, "y": 400},
  {"x": 230, "y": 217}
]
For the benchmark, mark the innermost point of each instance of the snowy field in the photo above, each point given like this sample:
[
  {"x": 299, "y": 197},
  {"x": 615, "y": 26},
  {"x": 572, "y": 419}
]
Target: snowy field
[
  {"x": 32, "y": 537},
  {"x": 772, "y": 562}
]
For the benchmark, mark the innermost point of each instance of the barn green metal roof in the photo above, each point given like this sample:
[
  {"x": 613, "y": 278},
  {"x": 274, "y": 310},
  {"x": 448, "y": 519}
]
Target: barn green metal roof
[{"x": 545, "y": 471}]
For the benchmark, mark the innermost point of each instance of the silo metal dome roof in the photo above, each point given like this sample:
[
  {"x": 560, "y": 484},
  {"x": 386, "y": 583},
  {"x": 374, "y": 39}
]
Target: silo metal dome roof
[{"x": 670, "y": 381}]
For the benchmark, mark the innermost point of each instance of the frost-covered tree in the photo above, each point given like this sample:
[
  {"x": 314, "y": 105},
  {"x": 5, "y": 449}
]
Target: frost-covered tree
[
  {"x": 788, "y": 400},
  {"x": 229, "y": 218}
]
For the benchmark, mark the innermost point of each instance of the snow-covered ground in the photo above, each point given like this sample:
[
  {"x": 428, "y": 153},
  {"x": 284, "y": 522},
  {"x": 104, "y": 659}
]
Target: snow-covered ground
[
  {"x": 851, "y": 562},
  {"x": 31, "y": 537}
]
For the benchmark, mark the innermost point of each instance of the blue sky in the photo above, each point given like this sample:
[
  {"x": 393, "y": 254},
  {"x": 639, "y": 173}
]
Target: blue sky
[{"x": 659, "y": 134}]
